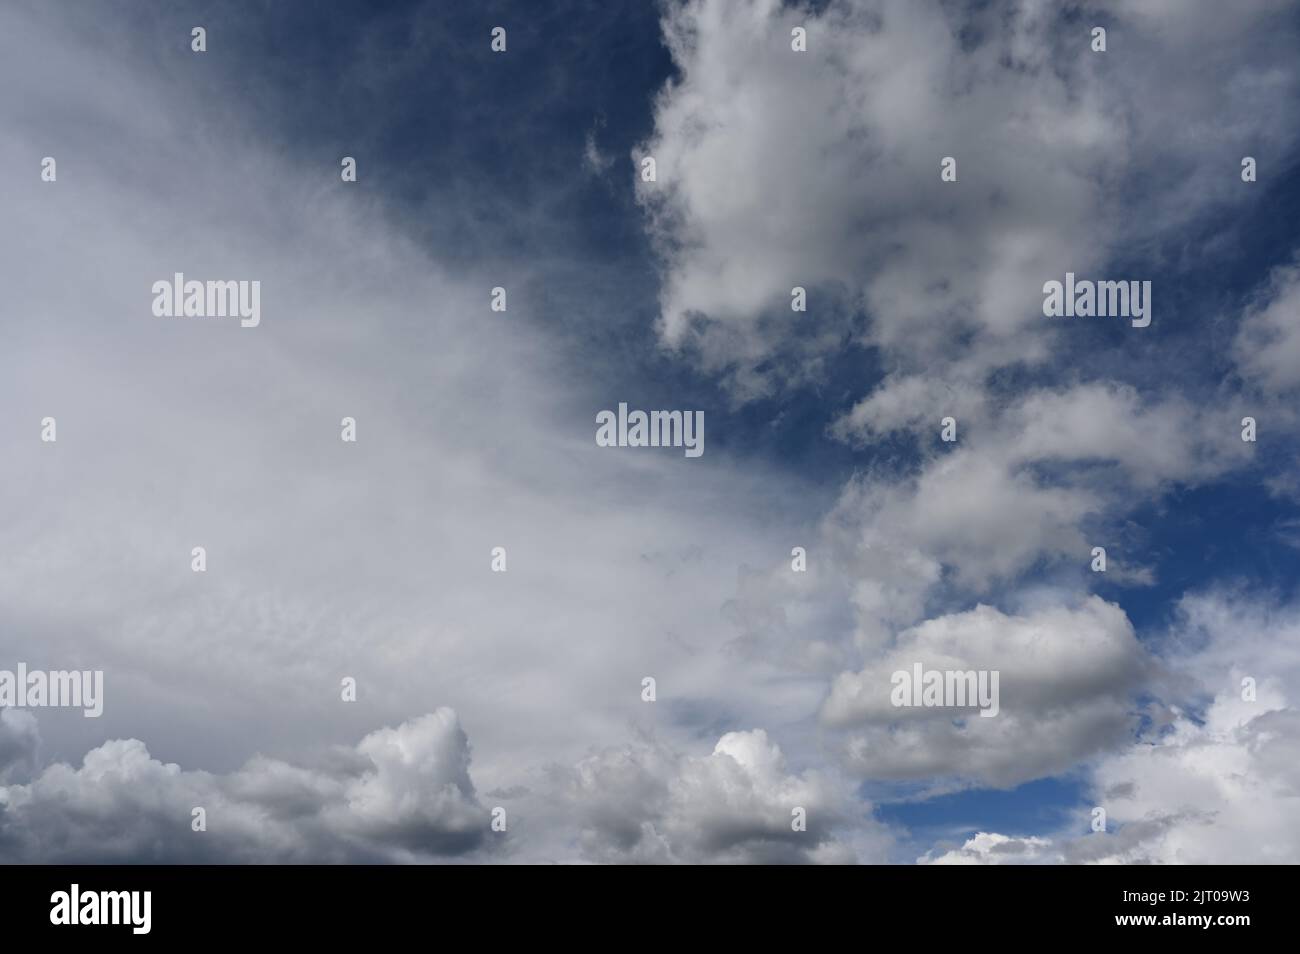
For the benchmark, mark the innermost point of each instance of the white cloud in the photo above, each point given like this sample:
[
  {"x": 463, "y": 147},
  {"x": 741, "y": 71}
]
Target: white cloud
[
  {"x": 1211, "y": 783},
  {"x": 1153, "y": 441},
  {"x": 1267, "y": 347},
  {"x": 987, "y": 848},
  {"x": 822, "y": 168},
  {"x": 597, "y": 161},
  {"x": 1068, "y": 683},
  {"x": 1220, "y": 786}
]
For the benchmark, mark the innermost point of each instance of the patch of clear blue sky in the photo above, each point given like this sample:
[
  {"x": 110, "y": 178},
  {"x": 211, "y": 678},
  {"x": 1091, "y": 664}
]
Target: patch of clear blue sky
[{"x": 1046, "y": 805}]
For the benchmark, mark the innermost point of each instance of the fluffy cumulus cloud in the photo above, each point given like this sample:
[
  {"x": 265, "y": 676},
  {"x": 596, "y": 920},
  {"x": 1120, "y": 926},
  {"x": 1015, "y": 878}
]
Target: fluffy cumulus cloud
[
  {"x": 978, "y": 517},
  {"x": 1219, "y": 784},
  {"x": 966, "y": 512},
  {"x": 1149, "y": 443},
  {"x": 1067, "y": 683},
  {"x": 400, "y": 794},
  {"x": 1026, "y": 479},
  {"x": 1146, "y": 440},
  {"x": 963, "y": 524},
  {"x": 778, "y": 168},
  {"x": 641, "y": 803},
  {"x": 404, "y": 794},
  {"x": 1222, "y": 790},
  {"x": 821, "y": 169},
  {"x": 1035, "y": 482},
  {"x": 1215, "y": 781},
  {"x": 988, "y": 848}
]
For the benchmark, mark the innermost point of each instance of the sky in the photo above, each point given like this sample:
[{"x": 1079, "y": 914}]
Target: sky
[{"x": 1147, "y": 712}]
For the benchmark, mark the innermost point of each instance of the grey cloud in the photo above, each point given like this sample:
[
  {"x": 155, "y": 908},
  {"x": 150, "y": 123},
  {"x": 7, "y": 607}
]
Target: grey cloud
[
  {"x": 643, "y": 803},
  {"x": 1267, "y": 347},
  {"x": 19, "y": 745},
  {"x": 1068, "y": 685},
  {"x": 402, "y": 794}
]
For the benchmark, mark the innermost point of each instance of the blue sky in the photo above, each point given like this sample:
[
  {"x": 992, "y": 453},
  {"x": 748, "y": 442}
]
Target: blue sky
[{"x": 519, "y": 169}]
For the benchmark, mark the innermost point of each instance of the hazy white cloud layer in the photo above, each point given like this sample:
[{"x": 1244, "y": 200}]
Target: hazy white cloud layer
[{"x": 324, "y": 559}]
